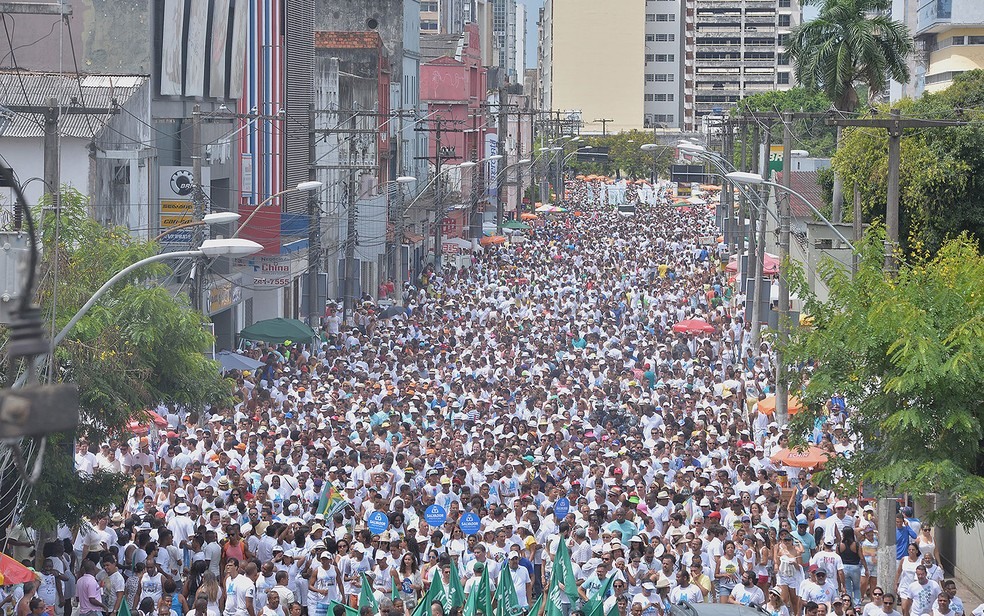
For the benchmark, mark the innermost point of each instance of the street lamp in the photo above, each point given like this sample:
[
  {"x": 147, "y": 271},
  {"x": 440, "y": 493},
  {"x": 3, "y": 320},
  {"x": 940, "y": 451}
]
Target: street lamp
[
  {"x": 302, "y": 187},
  {"x": 216, "y": 218},
  {"x": 210, "y": 249}
]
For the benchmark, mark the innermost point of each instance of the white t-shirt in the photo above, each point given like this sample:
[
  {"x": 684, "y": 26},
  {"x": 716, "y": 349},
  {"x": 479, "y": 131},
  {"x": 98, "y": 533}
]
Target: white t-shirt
[{"x": 238, "y": 590}]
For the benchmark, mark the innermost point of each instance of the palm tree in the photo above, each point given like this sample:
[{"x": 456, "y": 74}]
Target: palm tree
[{"x": 851, "y": 43}]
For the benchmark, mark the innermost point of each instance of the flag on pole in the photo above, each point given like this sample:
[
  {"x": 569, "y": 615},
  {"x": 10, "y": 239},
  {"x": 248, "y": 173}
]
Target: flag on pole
[
  {"x": 480, "y": 597},
  {"x": 124, "y": 608},
  {"x": 564, "y": 570},
  {"x": 455, "y": 592},
  {"x": 434, "y": 593},
  {"x": 595, "y": 605},
  {"x": 366, "y": 596},
  {"x": 507, "y": 602},
  {"x": 537, "y": 606},
  {"x": 395, "y": 592},
  {"x": 331, "y": 501},
  {"x": 349, "y": 611}
]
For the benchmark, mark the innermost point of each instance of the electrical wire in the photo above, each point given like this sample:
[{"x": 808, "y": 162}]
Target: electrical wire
[{"x": 20, "y": 77}]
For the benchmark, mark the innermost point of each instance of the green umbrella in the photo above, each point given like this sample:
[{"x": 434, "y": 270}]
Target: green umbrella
[
  {"x": 277, "y": 331},
  {"x": 515, "y": 225}
]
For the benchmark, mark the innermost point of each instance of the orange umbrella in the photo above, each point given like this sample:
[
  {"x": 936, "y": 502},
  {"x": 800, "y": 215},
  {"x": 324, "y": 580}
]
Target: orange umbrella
[
  {"x": 768, "y": 405},
  {"x": 800, "y": 458},
  {"x": 579, "y": 177},
  {"x": 693, "y": 326},
  {"x": 492, "y": 239},
  {"x": 528, "y": 216},
  {"x": 12, "y": 572}
]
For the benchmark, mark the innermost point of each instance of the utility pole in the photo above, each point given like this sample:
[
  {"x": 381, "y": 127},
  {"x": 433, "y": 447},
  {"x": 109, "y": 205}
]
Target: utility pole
[
  {"x": 782, "y": 387},
  {"x": 440, "y": 157},
  {"x": 348, "y": 299},
  {"x": 751, "y": 256},
  {"x": 503, "y": 150},
  {"x": 198, "y": 207},
  {"x": 895, "y": 126},
  {"x": 398, "y": 222},
  {"x": 760, "y": 243},
  {"x": 604, "y": 125},
  {"x": 316, "y": 305},
  {"x": 727, "y": 193}
]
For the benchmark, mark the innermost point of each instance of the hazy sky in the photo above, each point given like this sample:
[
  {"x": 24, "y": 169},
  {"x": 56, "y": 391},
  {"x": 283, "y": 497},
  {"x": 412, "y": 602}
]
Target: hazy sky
[{"x": 532, "y": 14}]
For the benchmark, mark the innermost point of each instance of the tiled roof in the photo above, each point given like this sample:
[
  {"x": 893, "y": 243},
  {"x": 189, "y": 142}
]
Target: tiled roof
[
  {"x": 348, "y": 40},
  {"x": 805, "y": 183},
  {"x": 434, "y": 46},
  {"x": 96, "y": 91}
]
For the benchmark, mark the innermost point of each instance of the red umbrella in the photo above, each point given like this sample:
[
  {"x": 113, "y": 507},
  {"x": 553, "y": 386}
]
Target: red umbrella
[
  {"x": 693, "y": 326},
  {"x": 12, "y": 572},
  {"x": 800, "y": 458},
  {"x": 770, "y": 267},
  {"x": 141, "y": 425}
]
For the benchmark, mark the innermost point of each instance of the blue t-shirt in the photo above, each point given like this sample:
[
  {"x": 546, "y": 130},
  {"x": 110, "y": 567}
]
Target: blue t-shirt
[{"x": 902, "y": 538}]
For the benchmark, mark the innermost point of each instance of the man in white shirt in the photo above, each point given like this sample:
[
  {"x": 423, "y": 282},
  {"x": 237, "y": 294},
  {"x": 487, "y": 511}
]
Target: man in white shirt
[
  {"x": 521, "y": 579},
  {"x": 747, "y": 592},
  {"x": 923, "y": 593},
  {"x": 239, "y": 591},
  {"x": 685, "y": 590}
]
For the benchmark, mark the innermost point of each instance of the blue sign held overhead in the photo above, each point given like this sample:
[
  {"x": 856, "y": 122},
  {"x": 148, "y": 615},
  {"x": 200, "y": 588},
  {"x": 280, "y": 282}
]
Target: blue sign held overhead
[
  {"x": 378, "y": 522},
  {"x": 435, "y": 515},
  {"x": 562, "y": 507},
  {"x": 470, "y": 523}
]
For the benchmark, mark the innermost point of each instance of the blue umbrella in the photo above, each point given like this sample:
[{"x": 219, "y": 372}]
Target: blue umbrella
[{"x": 235, "y": 361}]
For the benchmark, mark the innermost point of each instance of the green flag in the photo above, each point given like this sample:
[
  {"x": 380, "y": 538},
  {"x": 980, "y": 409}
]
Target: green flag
[
  {"x": 395, "y": 592},
  {"x": 455, "y": 592},
  {"x": 537, "y": 606},
  {"x": 366, "y": 596},
  {"x": 434, "y": 593},
  {"x": 595, "y": 605},
  {"x": 349, "y": 611},
  {"x": 507, "y": 602},
  {"x": 480, "y": 597},
  {"x": 124, "y": 608},
  {"x": 563, "y": 569}
]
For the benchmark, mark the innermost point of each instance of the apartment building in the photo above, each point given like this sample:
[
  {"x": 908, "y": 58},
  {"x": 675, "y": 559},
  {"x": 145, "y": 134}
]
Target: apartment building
[
  {"x": 665, "y": 60},
  {"x": 951, "y": 35}
]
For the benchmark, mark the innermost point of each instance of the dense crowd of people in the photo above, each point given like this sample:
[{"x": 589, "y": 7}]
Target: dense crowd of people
[{"x": 545, "y": 371}]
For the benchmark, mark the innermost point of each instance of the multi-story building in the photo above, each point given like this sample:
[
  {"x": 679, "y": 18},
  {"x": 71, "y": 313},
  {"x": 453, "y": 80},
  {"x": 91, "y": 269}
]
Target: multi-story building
[
  {"x": 519, "y": 54},
  {"x": 504, "y": 36},
  {"x": 445, "y": 16},
  {"x": 905, "y": 11},
  {"x": 665, "y": 60},
  {"x": 740, "y": 51},
  {"x": 598, "y": 75},
  {"x": 952, "y": 34}
]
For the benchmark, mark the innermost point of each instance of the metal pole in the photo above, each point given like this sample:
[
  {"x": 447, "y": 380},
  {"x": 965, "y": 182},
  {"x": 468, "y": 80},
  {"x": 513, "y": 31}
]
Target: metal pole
[
  {"x": 348, "y": 299},
  {"x": 892, "y": 208},
  {"x": 315, "y": 303},
  {"x": 782, "y": 387},
  {"x": 438, "y": 214},
  {"x": 504, "y": 152},
  {"x": 760, "y": 247},
  {"x": 198, "y": 199},
  {"x": 52, "y": 172}
]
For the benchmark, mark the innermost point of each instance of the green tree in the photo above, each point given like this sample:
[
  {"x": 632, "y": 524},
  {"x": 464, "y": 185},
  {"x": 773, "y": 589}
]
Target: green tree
[
  {"x": 625, "y": 155},
  {"x": 851, "y": 44},
  {"x": 811, "y": 135},
  {"x": 941, "y": 187},
  {"x": 907, "y": 352},
  {"x": 140, "y": 346}
]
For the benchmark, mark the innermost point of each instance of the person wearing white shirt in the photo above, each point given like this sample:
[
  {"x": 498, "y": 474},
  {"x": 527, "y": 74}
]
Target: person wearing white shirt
[{"x": 521, "y": 580}]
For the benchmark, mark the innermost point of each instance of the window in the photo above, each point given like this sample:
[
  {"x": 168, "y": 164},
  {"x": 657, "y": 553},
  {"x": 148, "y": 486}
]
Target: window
[
  {"x": 651, "y": 17},
  {"x": 661, "y": 98},
  {"x": 665, "y": 77},
  {"x": 650, "y": 38},
  {"x": 650, "y": 98},
  {"x": 783, "y": 38},
  {"x": 428, "y": 7},
  {"x": 665, "y": 57},
  {"x": 664, "y": 17},
  {"x": 975, "y": 40},
  {"x": 428, "y": 25},
  {"x": 665, "y": 38},
  {"x": 650, "y": 57},
  {"x": 784, "y": 4},
  {"x": 650, "y": 77},
  {"x": 783, "y": 59},
  {"x": 957, "y": 40},
  {"x": 784, "y": 79},
  {"x": 784, "y": 21},
  {"x": 666, "y": 118}
]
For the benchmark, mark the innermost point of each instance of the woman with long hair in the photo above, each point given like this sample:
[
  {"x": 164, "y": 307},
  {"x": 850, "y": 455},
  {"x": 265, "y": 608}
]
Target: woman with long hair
[
  {"x": 854, "y": 564},
  {"x": 787, "y": 559},
  {"x": 774, "y": 604},
  {"x": 211, "y": 590},
  {"x": 409, "y": 581}
]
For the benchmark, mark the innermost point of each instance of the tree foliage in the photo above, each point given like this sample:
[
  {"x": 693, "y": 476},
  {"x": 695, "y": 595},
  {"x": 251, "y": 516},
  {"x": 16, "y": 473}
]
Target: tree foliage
[
  {"x": 625, "y": 156},
  {"x": 813, "y": 136},
  {"x": 908, "y": 353},
  {"x": 850, "y": 43},
  {"x": 941, "y": 187},
  {"x": 140, "y": 346}
]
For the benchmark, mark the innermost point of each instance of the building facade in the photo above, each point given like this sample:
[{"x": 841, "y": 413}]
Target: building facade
[
  {"x": 504, "y": 36},
  {"x": 665, "y": 60},
  {"x": 951, "y": 32},
  {"x": 579, "y": 73},
  {"x": 740, "y": 51}
]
